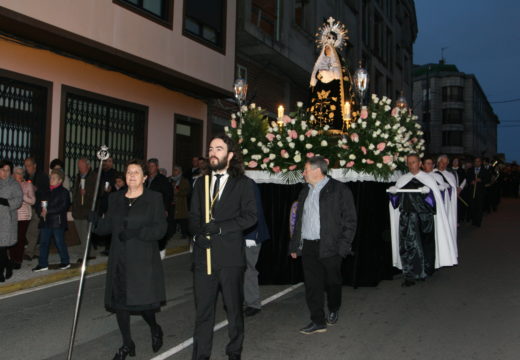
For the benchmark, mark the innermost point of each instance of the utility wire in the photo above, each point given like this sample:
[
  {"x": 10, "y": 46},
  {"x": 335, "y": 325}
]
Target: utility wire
[{"x": 504, "y": 101}]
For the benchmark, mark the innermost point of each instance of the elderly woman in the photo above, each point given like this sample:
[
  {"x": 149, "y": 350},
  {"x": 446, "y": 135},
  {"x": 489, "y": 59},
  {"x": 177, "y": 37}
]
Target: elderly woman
[
  {"x": 24, "y": 217},
  {"x": 54, "y": 222},
  {"x": 135, "y": 279},
  {"x": 10, "y": 201}
]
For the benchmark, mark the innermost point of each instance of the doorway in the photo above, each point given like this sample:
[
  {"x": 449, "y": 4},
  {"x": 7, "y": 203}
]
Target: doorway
[{"x": 187, "y": 141}]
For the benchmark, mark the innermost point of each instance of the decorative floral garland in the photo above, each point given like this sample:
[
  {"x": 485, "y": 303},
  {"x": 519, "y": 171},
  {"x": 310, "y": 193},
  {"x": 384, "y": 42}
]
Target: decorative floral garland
[{"x": 377, "y": 142}]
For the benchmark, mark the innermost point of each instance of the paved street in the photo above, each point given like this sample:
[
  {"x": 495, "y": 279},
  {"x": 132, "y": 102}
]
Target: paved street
[{"x": 467, "y": 312}]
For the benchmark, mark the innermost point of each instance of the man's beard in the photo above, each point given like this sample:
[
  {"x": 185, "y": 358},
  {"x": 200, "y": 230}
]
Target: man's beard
[{"x": 222, "y": 164}]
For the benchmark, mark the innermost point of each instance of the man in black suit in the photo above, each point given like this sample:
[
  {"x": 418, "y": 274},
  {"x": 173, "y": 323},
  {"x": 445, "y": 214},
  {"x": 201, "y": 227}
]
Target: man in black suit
[
  {"x": 326, "y": 222},
  {"x": 477, "y": 178},
  {"x": 158, "y": 182},
  {"x": 233, "y": 210}
]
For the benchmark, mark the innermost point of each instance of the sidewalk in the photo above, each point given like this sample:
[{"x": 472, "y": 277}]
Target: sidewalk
[{"x": 25, "y": 278}]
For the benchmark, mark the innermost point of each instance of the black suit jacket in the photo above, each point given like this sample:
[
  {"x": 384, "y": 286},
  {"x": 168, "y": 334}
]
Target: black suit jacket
[
  {"x": 234, "y": 213},
  {"x": 161, "y": 184},
  {"x": 484, "y": 175}
]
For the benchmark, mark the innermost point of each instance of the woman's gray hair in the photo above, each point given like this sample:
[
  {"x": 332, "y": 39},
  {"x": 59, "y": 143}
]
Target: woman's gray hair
[
  {"x": 19, "y": 170},
  {"x": 319, "y": 162}
]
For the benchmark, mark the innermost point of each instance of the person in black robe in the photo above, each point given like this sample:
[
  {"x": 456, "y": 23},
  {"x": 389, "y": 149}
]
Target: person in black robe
[
  {"x": 135, "y": 278},
  {"x": 477, "y": 177}
]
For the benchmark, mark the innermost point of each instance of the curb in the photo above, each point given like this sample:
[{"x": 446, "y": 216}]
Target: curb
[{"x": 67, "y": 274}]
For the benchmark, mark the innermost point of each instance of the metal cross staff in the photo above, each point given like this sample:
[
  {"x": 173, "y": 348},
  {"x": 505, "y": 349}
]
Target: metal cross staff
[{"x": 102, "y": 155}]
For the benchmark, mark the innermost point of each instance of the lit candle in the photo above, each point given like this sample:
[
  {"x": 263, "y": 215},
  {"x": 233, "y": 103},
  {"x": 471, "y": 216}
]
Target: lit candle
[
  {"x": 280, "y": 112},
  {"x": 347, "y": 110}
]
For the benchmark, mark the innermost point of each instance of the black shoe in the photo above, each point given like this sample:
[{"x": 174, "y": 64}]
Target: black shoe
[
  {"x": 124, "y": 351},
  {"x": 234, "y": 357},
  {"x": 39, "y": 268},
  {"x": 251, "y": 311},
  {"x": 157, "y": 339},
  {"x": 104, "y": 252},
  {"x": 64, "y": 266},
  {"x": 408, "y": 283},
  {"x": 313, "y": 328},
  {"x": 2, "y": 278},
  {"x": 332, "y": 318},
  {"x": 17, "y": 266}
]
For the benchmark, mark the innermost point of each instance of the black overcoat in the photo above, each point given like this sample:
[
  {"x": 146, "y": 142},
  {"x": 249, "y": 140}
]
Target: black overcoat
[{"x": 144, "y": 272}]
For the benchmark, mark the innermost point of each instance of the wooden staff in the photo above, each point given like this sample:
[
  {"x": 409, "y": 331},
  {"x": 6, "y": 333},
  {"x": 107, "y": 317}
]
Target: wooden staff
[{"x": 207, "y": 202}]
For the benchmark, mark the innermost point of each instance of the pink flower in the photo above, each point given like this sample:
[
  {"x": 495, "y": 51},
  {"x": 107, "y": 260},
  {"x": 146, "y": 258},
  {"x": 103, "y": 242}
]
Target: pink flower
[
  {"x": 252, "y": 164},
  {"x": 293, "y": 134},
  {"x": 381, "y": 146},
  {"x": 308, "y": 133},
  {"x": 233, "y": 123},
  {"x": 364, "y": 113},
  {"x": 283, "y": 152},
  {"x": 276, "y": 169},
  {"x": 266, "y": 160},
  {"x": 370, "y": 161},
  {"x": 387, "y": 159},
  {"x": 350, "y": 164},
  {"x": 414, "y": 140},
  {"x": 327, "y": 161},
  {"x": 310, "y": 154},
  {"x": 354, "y": 137},
  {"x": 292, "y": 167},
  {"x": 270, "y": 136},
  {"x": 344, "y": 147},
  {"x": 394, "y": 111},
  {"x": 286, "y": 119},
  {"x": 364, "y": 150}
]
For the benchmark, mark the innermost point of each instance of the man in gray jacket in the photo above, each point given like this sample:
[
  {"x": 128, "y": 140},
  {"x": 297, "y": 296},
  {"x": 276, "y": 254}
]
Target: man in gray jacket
[
  {"x": 11, "y": 197},
  {"x": 326, "y": 223}
]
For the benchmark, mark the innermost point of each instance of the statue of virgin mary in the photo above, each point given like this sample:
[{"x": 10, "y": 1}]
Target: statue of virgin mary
[{"x": 330, "y": 80}]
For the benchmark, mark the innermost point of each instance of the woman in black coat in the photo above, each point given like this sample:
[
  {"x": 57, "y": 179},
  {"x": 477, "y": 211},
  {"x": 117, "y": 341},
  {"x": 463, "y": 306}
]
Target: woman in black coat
[{"x": 135, "y": 280}]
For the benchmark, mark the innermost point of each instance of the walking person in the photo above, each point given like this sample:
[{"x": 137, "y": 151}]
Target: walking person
[
  {"x": 159, "y": 183},
  {"x": 135, "y": 278},
  {"x": 254, "y": 238},
  {"x": 232, "y": 211},
  {"x": 326, "y": 222},
  {"x": 24, "y": 217},
  {"x": 11, "y": 198},
  {"x": 82, "y": 198},
  {"x": 420, "y": 229},
  {"x": 477, "y": 178},
  {"x": 54, "y": 222},
  {"x": 40, "y": 181}
]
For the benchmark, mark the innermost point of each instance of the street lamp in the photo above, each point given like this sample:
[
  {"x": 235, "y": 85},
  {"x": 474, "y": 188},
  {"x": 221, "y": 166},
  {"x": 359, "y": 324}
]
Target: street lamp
[
  {"x": 401, "y": 102},
  {"x": 361, "y": 82},
  {"x": 240, "y": 87}
]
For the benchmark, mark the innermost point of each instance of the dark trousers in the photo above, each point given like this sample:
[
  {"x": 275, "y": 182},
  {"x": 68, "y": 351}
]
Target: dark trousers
[
  {"x": 16, "y": 251},
  {"x": 476, "y": 209},
  {"x": 321, "y": 276},
  {"x": 229, "y": 281}
]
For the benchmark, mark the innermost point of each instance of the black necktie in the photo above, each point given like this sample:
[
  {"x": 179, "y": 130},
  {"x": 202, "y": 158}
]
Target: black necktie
[{"x": 216, "y": 187}]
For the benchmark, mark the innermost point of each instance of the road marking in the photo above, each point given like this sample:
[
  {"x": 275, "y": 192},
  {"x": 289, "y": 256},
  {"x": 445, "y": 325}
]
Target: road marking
[
  {"x": 187, "y": 343},
  {"x": 66, "y": 281}
]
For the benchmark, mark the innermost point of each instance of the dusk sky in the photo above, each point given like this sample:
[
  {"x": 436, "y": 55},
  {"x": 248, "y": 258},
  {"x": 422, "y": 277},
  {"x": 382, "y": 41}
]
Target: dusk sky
[{"x": 482, "y": 37}]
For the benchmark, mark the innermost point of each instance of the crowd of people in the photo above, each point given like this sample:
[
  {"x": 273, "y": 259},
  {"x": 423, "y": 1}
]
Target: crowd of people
[
  {"x": 40, "y": 204},
  {"x": 428, "y": 204}
]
